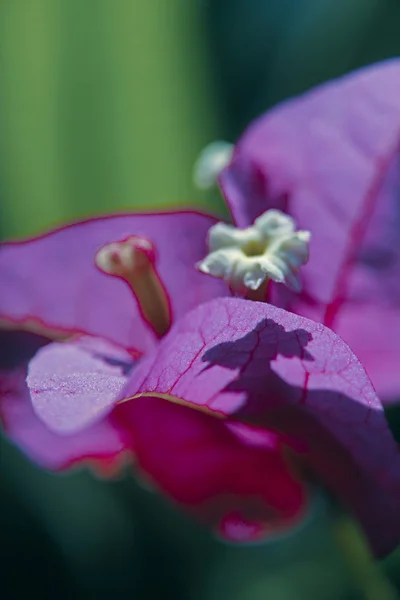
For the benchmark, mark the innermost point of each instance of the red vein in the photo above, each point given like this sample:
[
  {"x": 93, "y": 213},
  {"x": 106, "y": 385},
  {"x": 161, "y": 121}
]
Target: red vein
[{"x": 356, "y": 234}]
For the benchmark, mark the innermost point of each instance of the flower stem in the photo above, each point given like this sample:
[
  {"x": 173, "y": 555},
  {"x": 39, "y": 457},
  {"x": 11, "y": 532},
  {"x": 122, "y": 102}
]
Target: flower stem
[{"x": 367, "y": 572}]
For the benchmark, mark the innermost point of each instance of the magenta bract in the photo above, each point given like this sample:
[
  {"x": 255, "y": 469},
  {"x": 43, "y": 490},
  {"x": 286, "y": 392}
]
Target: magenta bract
[
  {"x": 259, "y": 364},
  {"x": 330, "y": 159},
  {"x": 53, "y": 278},
  {"x": 224, "y": 401},
  {"x": 238, "y": 481},
  {"x": 211, "y": 412},
  {"x": 99, "y": 444}
]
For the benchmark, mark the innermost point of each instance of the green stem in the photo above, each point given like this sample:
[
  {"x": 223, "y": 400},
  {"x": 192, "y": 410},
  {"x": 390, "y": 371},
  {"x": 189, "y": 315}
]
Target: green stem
[{"x": 367, "y": 573}]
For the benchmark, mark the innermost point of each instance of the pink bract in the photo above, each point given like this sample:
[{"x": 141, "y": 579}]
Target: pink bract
[
  {"x": 331, "y": 160},
  {"x": 263, "y": 365},
  {"x": 229, "y": 388},
  {"x": 53, "y": 278},
  {"x": 99, "y": 444},
  {"x": 223, "y": 413}
]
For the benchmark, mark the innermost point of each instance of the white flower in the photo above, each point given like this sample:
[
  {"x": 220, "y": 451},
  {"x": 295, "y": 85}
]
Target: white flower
[
  {"x": 211, "y": 161},
  {"x": 246, "y": 258}
]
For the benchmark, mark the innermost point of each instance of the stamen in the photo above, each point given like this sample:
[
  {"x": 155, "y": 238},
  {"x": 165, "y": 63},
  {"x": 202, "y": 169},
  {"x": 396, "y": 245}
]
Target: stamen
[
  {"x": 133, "y": 260},
  {"x": 247, "y": 259}
]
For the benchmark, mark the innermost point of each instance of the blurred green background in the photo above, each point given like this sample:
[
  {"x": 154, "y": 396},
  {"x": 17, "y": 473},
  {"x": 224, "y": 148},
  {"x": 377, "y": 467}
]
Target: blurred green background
[{"x": 105, "y": 105}]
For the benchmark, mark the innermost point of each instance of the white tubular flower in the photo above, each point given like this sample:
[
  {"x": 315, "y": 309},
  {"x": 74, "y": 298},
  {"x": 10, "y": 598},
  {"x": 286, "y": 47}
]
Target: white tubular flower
[
  {"x": 246, "y": 258},
  {"x": 211, "y": 161}
]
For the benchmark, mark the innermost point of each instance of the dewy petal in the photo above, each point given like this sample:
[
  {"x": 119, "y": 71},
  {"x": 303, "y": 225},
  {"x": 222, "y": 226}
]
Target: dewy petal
[
  {"x": 253, "y": 362},
  {"x": 75, "y": 384},
  {"x": 52, "y": 280},
  {"x": 235, "y": 480},
  {"x": 330, "y": 159},
  {"x": 101, "y": 443}
]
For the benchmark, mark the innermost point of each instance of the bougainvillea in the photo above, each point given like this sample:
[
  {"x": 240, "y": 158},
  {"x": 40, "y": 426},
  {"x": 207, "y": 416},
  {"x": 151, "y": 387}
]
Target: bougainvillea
[
  {"x": 230, "y": 406},
  {"x": 221, "y": 410},
  {"x": 330, "y": 159}
]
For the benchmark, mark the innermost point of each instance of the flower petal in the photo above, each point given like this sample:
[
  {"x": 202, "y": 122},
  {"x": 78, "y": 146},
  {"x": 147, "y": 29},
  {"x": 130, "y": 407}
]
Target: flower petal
[
  {"x": 260, "y": 364},
  {"x": 235, "y": 480},
  {"x": 273, "y": 223},
  {"x": 253, "y": 278},
  {"x": 330, "y": 160},
  {"x": 100, "y": 444},
  {"x": 223, "y": 235},
  {"x": 219, "y": 263},
  {"x": 75, "y": 384},
  {"x": 52, "y": 280}
]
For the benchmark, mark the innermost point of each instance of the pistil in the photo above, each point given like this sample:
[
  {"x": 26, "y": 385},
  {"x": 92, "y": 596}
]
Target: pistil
[{"x": 133, "y": 260}]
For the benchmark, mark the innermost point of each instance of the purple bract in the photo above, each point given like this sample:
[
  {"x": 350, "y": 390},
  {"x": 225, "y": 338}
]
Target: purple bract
[
  {"x": 228, "y": 405},
  {"x": 330, "y": 159}
]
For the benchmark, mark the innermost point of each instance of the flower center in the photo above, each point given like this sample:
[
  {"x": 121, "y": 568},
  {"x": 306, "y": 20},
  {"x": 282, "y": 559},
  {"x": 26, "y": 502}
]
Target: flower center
[
  {"x": 270, "y": 249},
  {"x": 254, "y": 248},
  {"x": 133, "y": 260}
]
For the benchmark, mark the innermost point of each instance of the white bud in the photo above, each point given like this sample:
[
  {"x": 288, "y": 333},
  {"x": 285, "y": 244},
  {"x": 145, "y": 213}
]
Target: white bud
[{"x": 211, "y": 161}]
